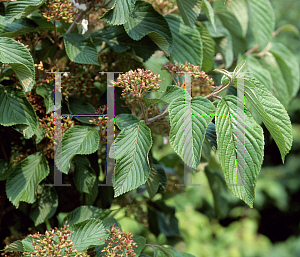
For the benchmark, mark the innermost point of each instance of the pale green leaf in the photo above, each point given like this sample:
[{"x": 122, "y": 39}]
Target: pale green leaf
[
  {"x": 187, "y": 44},
  {"x": 289, "y": 67},
  {"x": 86, "y": 212},
  {"x": 87, "y": 233},
  {"x": 209, "y": 12},
  {"x": 240, "y": 172},
  {"x": 84, "y": 174},
  {"x": 262, "y": 21},
  {"x": 19, "y": 9},
  {"x": 76, "y": 140},
  {"x": 131, "y": 149},
  {"x": 239, "y": 9},
  {"x": 125, "y": 119},
  {"x": 18, "y": 57},
  {"x": 145, "y": 20},
  {"x": 208, "y": 49},
  {"x": 120, "y": 12},
  {"x": 25, "y": 177},
  {"x": 16, "y": 246},
  {"x": 45, "y": 205},
  {"x": 189, "y": 120},
  {"x": 80, "y": 49},
  {"x": 17, "y": 110},
  {"x": 289, "y": 28},
  {"x": 189, "y": 10}
]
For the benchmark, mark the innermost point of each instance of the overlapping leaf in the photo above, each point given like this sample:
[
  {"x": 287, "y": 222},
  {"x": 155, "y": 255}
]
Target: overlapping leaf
[
  {"x": 125, "y": 119},
  {"x": 131, "y": 149},
  {"x": 209, "y": 12},
  {"x": 18, "y": 57},
  {"x": 189, "y": 120},
  {"x": 47, "y": 92},
  {"x": 240, "y": 166},
  {"x": 76, "y": 140},
  {"x": 239, "y": 9},
  {"x": 189, "y": 10},
  {"x": 17, "y": 110},
  {"x": 25, "y": 177}
]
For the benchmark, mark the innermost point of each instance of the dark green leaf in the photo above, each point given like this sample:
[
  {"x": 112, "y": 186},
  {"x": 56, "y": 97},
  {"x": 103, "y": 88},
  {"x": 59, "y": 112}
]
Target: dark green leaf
[{"x": 189, "y": 10}]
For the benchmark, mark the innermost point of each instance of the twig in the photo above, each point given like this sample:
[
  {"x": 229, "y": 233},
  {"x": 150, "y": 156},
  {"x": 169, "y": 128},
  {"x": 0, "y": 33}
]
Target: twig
[{"x": 172, "y": 10}]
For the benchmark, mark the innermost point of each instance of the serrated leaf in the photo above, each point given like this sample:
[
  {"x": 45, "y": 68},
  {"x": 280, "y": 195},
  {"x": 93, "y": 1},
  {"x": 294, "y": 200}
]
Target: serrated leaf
[
  {"x": 289, "y": 67},
  {"x": 78, "y": 106},
  {"x": 86, "y": 212},
  {"x": 240, "y": 172},
  {"x": 15, "y": 246},
  {"x": 271, "y": 112},
  {"x": 208, "y": 49},
  {"x": 262, "y": 21},
  {"x": 25, "y": 177},
  {"x": 16, "y": 110},
  {"x": 84, "y": 175},
  {"x": 120, "y": 12},
  {"x": 76, "y": 140},
  {"x": 189, "y": 120},
  {"x": 152, "y": 183},
  {"x": 187, "y": 44},
  {"x": 45, "y": 206},
  {"x": 87, "y": 233},
  {"x": 18, "y": 57},
  {"x": 209, "y": 12},
  {"x": 131, "y": 149},
  {"x": 80, "y": 49},
  {"x": 145, "y": 20},
  {"x": 211, "y": 135},
  {"x": 47, "y": 92},
  {"x": 19, "y": 9},
  {"x": 189, "y": 10},
  {"x": 239, "y": 9},
  {"x": 125, "y": 119}
]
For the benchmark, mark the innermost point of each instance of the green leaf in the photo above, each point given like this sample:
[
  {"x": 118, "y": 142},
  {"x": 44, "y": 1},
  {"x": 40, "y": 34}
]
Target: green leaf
[
  {"x": 189, "y": 10},
  {"x": 152, "y": 184},
  {"x": 223, "y": 41},
  {"x": 208, "y": 49},
  {"x": 19, "y": 9},
  {"x": 141, "y": 241},
  {"x": 25, "y": 177},
  {"x": 40, "y": 134},
  {"x": 16, "y": 246},
  {"x": 76, "y": 140},
  {"x": 86, "y": 212},
  {"x": 279, "y": 87},
  {"x": 84, "y": 175},
  {"x": 262, "y": 21},
  {"x": 80, "y": 49},
  {"x": 131, "y": 149},
  {"x": 187, "y": 44},
  {"x": 78, "y": 106},
  {"x": 169, "y": 251},
  {"x": 87, "y": 233},
  {"x": 211, "y": 135},
  {"x": 209, "y": 12},
  {"x": 16, "y": 109},
  {"x": 125, "y": 119},
  {"x": 289, "y": 28},
  {"x": 271, "y": 112},
  {"x": 240, "y": 11},
  {"x": 45, "y": 206},
  {"x": 145, "y": 20},
  {"x": 120, "y": 12},
  {"x": 189, "y": 120},
  {"x": 289, "y": 67},
  {"x": 47, "y": 92},
  {"x": 240, "y": 172},
  {"x": 18, "y": 57}
]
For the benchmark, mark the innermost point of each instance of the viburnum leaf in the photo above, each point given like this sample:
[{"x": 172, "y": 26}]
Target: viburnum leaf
[
  {"x": 189, "y": 120},
  {"x": 25, "y": 177},
  {"x": 131, "y": 149},
  {"x": 209, "y": 12},
  {"x": 125, "y": 119},
  {"x": 240, "y": 10},
  {"x": 189, "y": 10},
  {"x": 240, "y": 166},
  {"x": 47, "y": 92}
]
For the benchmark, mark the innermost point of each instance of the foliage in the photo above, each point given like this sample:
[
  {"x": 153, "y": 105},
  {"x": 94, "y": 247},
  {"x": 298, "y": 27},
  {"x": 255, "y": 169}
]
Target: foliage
[{"x": 212, "y": 122}]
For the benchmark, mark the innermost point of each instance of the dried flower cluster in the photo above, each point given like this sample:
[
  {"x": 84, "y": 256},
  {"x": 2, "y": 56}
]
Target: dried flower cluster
[{"x": 120, "y": 244}]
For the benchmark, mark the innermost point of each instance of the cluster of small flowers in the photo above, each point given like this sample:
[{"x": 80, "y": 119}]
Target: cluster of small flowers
[
  {"x": 161, "y": 126},
  {"x": 45, "y": 245},
  {"x": 136, "y": 84},
  {"x": 59, "y": 10},
  {"x": 36, "y": 101},
  {"x": 119, "y": 243},
  {"x": 201, "y": 83},
  {"x": 163, "y": 6}
]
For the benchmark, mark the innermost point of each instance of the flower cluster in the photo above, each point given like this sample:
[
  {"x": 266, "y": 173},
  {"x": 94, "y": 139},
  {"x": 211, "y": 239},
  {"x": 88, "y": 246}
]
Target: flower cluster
[
  {"x": 201, "y": 83},
  {"x": 101, "y": 121},
  {"x": 59, "y": 10},
  {"x": 163, "y": 6},
  {"x": 119, "y": 243},
  {"x": 136, "y": 84}
]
